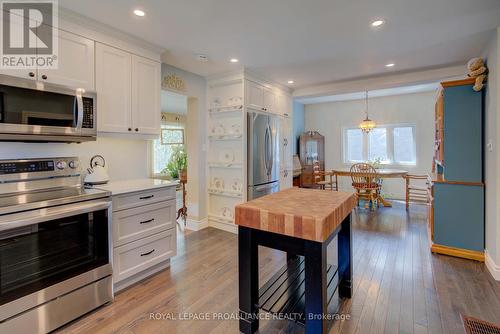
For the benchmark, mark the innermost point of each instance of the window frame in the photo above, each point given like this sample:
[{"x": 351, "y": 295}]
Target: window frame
[{"x": 390, "y": 144}]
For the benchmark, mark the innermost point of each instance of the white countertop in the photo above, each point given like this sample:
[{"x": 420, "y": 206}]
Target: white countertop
[{"x": 128, "y": 186}]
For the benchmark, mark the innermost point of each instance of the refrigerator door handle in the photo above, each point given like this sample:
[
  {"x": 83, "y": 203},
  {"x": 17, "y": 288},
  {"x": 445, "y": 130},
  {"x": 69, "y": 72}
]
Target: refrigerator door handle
[
  {"x": 266, "y": 149},
  {"x": 271, "y": 149}
]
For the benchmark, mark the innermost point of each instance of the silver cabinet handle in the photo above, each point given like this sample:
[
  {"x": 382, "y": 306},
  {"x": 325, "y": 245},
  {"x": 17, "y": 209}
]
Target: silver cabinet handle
[{"x": 148, "y": 253}]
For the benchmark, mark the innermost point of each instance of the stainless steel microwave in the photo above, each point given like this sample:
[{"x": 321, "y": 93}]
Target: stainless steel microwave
[{"x": 34, "y": 111}]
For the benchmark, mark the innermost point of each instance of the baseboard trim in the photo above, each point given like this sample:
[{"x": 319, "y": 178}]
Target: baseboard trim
[
  {"x": 223, "y": 226},
  {"x": 492, "y": 267},
  {"x": 196, "y": 225},
  {"x": 458, "y": 252}
]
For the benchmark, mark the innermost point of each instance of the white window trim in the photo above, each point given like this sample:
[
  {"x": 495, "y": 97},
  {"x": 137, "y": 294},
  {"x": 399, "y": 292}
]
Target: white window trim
[{"x": 390, "y": 144}]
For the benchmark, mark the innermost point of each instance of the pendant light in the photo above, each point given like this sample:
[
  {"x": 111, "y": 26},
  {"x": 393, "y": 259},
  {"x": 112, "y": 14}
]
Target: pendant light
[{"x": 367, "y": 125}]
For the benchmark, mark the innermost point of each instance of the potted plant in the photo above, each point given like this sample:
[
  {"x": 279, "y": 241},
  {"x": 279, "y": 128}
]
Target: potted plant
[{"x": 177, "y": 164}]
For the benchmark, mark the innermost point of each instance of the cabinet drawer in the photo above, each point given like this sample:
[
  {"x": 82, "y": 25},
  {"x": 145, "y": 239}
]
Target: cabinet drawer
[
  {"x": 140, "y": 255},
  {"x": 136, "y": 223},
  {"x": 132, "y": 200}
]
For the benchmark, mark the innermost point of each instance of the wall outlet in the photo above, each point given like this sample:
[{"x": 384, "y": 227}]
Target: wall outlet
[{"x": 489, "y": 146}]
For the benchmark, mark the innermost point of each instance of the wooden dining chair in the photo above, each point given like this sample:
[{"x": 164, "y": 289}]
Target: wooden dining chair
[
  {"x": 416, "y": 193},
  {"x": 324, "y": 180},
  {"x": 366, "y": 182}
]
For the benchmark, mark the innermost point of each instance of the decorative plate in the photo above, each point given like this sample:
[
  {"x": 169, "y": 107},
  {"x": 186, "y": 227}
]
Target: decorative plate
[
  {"x": 235, "y": 101},
  {"x": 227, "y": 213},
  {"x": 218, "y": 183},
  {"x": 226, "y": 156},
  {"x": 236, "y": 129},
  {"x": 237, "y": 185},
  {"x": 217, "y": 130}
]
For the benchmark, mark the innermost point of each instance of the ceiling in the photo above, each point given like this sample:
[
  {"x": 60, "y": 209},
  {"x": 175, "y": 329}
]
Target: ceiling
[
  {"x": 372, "y": 93},
  {"x": 311, "y": 42},
  {"x": 173, "y": 103}
]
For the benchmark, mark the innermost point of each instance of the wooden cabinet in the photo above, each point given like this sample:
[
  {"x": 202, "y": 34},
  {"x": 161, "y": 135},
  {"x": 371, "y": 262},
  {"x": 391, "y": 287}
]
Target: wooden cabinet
[
  {"x": 75, "y": 62},
  {"x": 129, "y": 92},
  {"x": 260, "y": 97},
  {"x": 311, "y": 150},
  {"x": 144, "y": 234},
  {"x": 146, "y": 76},
  {"x": 114, "y": 86}
]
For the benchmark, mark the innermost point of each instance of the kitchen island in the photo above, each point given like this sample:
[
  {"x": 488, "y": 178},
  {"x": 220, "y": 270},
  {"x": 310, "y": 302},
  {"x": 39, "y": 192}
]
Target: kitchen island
[{"x": 300, "y": 222}]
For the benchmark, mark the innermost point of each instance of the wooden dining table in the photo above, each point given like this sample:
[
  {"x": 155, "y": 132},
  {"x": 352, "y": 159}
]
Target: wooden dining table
[{"x": 384, "y": 173}]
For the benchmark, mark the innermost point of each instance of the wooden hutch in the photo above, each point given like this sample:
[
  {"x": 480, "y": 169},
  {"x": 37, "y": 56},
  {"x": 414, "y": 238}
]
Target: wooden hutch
[
  {"x": 311, "y": 150},
  {"x": 456, "y": 216}
]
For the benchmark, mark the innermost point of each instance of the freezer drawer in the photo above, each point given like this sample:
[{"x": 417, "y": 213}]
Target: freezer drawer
[{"x": 262, "y": 190}]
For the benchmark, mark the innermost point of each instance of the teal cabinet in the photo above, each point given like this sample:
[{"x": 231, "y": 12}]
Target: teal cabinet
[
  {"x": 457, "y": 211},
  {"x": 463, "y": 134},
  {"x": 459, "y": 216}
]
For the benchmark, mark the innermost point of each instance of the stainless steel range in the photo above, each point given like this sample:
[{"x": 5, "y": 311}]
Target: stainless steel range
[{"x": 54, "y": 245}]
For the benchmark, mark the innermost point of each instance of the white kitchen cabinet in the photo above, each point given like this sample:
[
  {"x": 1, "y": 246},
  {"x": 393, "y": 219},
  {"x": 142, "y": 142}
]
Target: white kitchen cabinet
[
  {"x": 114, "y": 89},
  {"x": 283, "y": 105},
  {"x": 269, "y": 100},
  {"x": 144, "y": 232},
  {"x": 146, "y": 86},
  {"x": 75, "y": 62},
  {"x": 30, "y": 74},
  {"x": 286, "y": 179},
  {"x": 286, "y": 138},
  {"x": 255, "y": 95},
  {"x": 75, "y": 67},
  {"x": 260, "y": 97},
  {"x": 128, "y": 89}
]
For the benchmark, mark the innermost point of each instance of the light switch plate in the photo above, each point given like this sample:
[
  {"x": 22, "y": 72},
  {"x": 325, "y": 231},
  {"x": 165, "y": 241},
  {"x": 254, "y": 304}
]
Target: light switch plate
[{"x": 489, "y": 146}]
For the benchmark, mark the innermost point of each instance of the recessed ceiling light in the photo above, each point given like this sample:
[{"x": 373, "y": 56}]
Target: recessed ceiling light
[
  {"x": 377, "y": 23},
  {"x": 139, "y": 12},
  {"x": 234, "y": 60},
  {"x": 202, "y": 58},
  {"x": 390, "y": 65},
  {"x": 291, "y": 82}
]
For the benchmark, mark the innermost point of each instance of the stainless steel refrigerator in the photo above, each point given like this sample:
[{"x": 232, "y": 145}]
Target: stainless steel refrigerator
[{"x": 263, "y": 154}]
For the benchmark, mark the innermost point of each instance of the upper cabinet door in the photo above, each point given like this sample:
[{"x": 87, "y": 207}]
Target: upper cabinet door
[
  {"x": 146, "y": 85},
  {"x": 114, "y": 89},
  {"x": 75, "y": 62},
  {"x": 255, "y": 95},
  {"x": 269, "y": 100},
  {"x": 16, "y": 22}
]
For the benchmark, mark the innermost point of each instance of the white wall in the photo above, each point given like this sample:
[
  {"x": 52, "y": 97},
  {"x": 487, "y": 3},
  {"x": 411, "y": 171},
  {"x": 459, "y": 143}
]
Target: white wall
[
  {"x": 196, "y": 135},
  {"x": 329, "y": 119},
  {"x": 298, "y": 125},
  {"x": 492, "y": 159},
  {"x": 125, "y": 159}
]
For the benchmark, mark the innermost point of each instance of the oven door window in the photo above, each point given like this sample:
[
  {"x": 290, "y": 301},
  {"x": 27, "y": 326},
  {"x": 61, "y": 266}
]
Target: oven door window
[
  {"x": 23, "y": 106},
  {"x": 35, "y": 257}
]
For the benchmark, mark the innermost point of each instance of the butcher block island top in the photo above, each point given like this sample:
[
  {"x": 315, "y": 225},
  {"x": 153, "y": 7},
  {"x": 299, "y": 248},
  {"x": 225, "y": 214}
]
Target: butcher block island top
[{"x": 301, "y": 213}]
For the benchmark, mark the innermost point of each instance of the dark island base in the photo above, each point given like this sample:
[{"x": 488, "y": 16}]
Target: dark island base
[{"x": 284, "y": 294}]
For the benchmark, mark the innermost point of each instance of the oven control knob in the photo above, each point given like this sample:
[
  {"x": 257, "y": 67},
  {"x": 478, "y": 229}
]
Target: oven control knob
[
  {"x": 73, "y": 164},
  {"x": 61, "y": 164}
]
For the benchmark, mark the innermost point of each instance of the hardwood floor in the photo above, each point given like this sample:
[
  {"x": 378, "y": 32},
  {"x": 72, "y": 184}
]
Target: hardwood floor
[{"x": 399, "y": 287}]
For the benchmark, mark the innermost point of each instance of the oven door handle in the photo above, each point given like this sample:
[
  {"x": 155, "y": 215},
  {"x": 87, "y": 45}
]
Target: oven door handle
[{"x": 32, "y": 217}]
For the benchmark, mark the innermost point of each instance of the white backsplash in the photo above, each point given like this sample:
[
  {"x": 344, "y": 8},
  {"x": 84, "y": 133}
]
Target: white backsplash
[{"x": 125, "y": 159}]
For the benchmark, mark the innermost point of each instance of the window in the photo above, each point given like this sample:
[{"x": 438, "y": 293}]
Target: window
[
  {"x": 388, "y": 144},
  {"x": 171, "y": 136}
]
